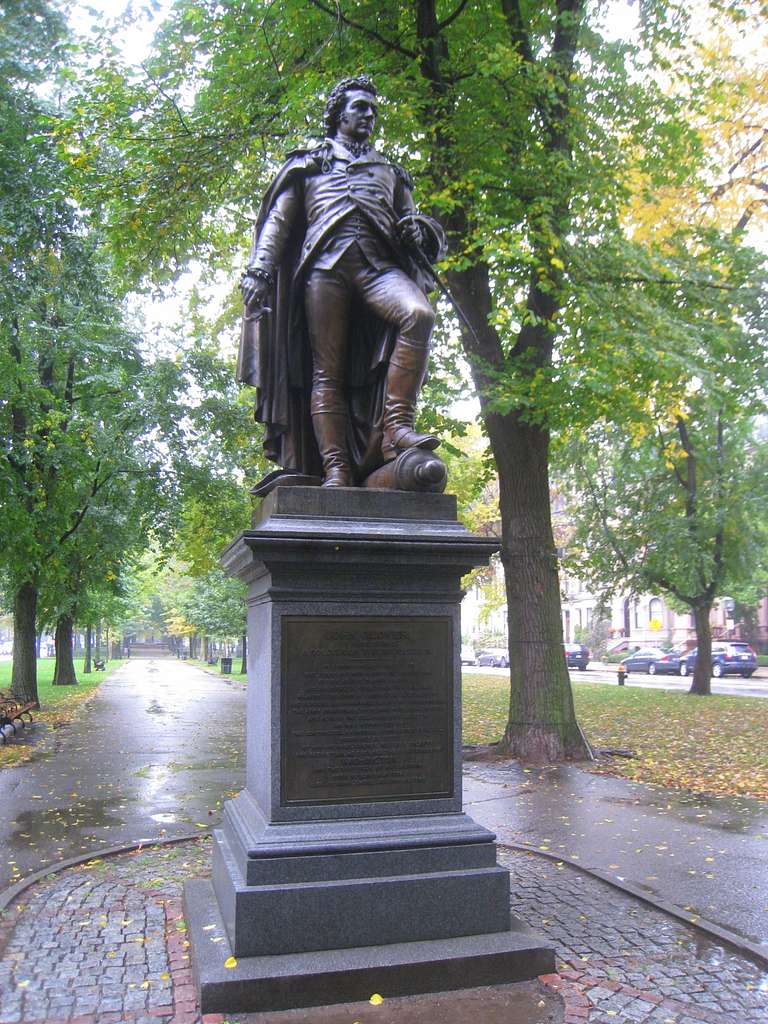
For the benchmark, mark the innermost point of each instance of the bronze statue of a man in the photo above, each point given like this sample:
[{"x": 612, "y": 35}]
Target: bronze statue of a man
[{"x": 337, "y": 324}]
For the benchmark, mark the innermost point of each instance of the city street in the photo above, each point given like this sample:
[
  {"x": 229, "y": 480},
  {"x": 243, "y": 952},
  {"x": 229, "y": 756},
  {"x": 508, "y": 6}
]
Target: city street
[{"x": 596, "y": 672}]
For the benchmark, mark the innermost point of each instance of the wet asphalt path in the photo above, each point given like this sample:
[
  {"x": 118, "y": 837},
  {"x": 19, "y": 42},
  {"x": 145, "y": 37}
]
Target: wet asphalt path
[
  {"x": 706, "y": 855},
  {"x": 154, "y": 753}
]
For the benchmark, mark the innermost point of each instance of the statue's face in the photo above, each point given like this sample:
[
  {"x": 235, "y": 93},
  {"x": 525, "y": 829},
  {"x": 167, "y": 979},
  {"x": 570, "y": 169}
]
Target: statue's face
[{"x": 358, "y": 116}]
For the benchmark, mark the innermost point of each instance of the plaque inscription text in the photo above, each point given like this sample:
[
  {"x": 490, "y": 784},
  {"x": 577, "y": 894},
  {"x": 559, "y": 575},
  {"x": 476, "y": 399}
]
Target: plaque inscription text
[{"x": 367, "y": 708}]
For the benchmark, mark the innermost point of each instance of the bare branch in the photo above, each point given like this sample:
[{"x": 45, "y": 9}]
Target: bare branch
[
  {"x": 663, "y": 449},
  {"x": 669, "y": 282},
  {"x": 453, "y": 16},
  {"x": 80, "y": 516},
  {"x": 341, "y": 18},
  {"x": 720, "y": 532},
  {"x": 517, "y": 29},
  {"x": 171, "y": 100},
  {"x": 747, "y": 153}
]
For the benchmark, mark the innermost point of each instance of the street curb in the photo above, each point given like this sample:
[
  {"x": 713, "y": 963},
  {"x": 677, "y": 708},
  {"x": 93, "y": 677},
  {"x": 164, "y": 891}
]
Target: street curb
[
  {"x": 7, "y": 896},
  {"x": 750, "y": 950}
]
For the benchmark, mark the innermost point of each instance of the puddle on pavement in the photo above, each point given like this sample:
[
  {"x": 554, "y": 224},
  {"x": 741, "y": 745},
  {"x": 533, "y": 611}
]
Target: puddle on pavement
[
  {"x": 165, "y": 818},
  {"x": 50, "y": 824},
  {"x": 726, "y": 813},
  {"x": 208, "y": 766}
]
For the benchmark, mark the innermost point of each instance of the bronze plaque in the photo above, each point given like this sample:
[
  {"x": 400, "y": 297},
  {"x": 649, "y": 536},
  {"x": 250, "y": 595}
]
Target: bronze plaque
[{"x": 367, "y": 708}]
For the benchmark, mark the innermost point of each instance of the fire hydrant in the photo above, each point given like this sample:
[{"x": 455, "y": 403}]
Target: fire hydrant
[{"x": 622, "y": 674}]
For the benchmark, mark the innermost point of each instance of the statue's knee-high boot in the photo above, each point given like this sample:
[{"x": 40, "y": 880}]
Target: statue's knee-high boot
[
  {"x": 331, "y": 436},
  {"x": 404, "y": 379}
]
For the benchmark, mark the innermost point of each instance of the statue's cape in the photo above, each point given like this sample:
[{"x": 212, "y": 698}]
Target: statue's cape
[{"x": 275, "y": 356}]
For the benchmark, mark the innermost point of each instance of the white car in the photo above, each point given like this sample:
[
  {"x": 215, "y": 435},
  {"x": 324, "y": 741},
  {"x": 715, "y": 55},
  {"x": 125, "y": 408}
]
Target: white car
[
  {"x": 467, "y": 655},
  {"x": 496, "y": 657}
]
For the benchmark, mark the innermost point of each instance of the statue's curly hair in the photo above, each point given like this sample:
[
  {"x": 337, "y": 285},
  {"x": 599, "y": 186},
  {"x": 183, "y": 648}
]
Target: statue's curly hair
[{"x": 337, "y": 99}]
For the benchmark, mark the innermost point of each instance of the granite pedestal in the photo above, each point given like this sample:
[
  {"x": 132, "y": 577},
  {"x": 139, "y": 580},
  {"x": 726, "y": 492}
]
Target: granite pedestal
[{"x": 348, "y": 855}]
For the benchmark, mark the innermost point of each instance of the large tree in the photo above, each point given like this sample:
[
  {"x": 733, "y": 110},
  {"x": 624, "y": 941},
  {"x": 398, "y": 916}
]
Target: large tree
[
  {"x": 669, "y": 480},
  {"x": 79, "y": 458},
  {"x": 522, "y": 126}
]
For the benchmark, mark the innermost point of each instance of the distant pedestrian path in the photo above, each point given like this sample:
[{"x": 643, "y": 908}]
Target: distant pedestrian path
[{"x": 144, "y": 759}]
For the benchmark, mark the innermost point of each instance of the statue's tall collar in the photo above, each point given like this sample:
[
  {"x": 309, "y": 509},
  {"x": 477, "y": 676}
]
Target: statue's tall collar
[{"x": 340, "y": 152}]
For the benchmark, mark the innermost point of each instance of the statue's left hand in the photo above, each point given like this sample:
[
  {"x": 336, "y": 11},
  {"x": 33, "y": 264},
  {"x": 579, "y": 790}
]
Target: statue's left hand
[{"x": 410, "y": 233}]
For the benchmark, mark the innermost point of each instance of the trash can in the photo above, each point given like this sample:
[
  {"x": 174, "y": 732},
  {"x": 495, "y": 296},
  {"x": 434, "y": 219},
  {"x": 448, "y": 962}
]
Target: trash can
[{"x": 226, "y": 666}]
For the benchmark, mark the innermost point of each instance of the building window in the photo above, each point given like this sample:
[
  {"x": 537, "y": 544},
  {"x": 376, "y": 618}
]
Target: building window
[
  {"x": 589, "y": 617},
  {"x": 655, "y": 609}
]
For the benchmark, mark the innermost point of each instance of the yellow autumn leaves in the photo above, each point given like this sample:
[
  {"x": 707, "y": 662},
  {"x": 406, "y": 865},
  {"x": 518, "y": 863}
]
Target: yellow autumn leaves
[{"x": 712, "y": 746}]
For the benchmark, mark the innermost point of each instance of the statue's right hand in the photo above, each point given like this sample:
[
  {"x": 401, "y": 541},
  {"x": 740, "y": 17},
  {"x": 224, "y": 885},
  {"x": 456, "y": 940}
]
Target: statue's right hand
[{"x": 255, "y": 291}]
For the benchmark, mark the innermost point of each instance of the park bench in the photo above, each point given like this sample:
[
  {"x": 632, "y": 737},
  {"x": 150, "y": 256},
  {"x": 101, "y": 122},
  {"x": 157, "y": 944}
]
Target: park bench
[
  {"x": 13, "y": 711},
  {"x": 99, "y": 664}
]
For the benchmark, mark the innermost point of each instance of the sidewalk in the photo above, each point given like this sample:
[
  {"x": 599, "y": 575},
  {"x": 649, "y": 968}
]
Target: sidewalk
[
  {"x": 706, "y": 855},
  {"x": 104, "y": 943}
]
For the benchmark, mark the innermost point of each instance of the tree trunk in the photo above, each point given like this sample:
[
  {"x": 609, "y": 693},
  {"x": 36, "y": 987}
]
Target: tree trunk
[
  {"x": 702, "y": 670},
  {"x": 206, "y": 648},
  {"x": 88, "y": 645},
  {"x": 542, "y": 724},
  {"x": 244, "y": 663},
  {"x": 98, "y": 640},
  {"x": 24, "y": 673},
  {"x": 64, "y": 669}
]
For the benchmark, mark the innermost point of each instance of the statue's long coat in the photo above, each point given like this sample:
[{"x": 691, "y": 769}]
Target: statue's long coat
[{"x": 275, "y": 356}]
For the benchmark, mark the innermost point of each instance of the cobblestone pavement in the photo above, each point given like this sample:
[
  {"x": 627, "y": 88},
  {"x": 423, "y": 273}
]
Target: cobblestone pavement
[
  {"x": 105, "y": 943},
  {"x": 690, "y": 850},
  {"x": 623, "y": 962}
]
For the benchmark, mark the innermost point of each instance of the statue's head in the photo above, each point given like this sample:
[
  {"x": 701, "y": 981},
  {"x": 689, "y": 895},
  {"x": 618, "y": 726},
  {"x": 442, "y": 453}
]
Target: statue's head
[{"x": 339, "y": 97}]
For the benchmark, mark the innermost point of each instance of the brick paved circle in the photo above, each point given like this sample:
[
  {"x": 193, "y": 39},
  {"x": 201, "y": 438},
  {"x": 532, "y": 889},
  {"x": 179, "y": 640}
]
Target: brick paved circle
[
  {"x": 105, "y": 943},
  {"x": 623, "y": 962}
]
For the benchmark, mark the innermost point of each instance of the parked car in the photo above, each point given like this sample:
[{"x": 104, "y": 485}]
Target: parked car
[
  {"x": 668, "y": 664},
  {"x": 577, "y": 656},
  {"x": 642, "y": 660},
  {"x": 467, "y": 655},
  {"x": 496, "y": 657},
  {"x": 732, "y": 658}
]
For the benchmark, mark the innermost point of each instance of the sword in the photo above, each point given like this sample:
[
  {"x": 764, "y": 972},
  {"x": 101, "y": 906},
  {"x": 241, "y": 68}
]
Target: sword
[
  {"x": 255, "y": 317},
  {"x": 446, "y": 291},
  {"x": 418, "y": 253}
]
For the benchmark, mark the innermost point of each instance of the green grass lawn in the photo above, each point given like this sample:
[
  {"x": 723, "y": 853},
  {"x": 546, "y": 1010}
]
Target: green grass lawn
[
  {"x": 706, "y": 744},
  {"x": 234, "y": 674},
  {"x": 57, "y": 703}
]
